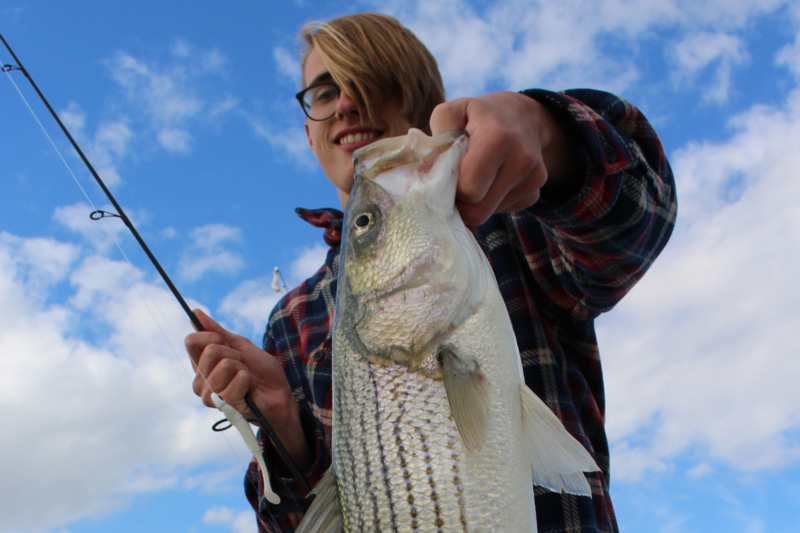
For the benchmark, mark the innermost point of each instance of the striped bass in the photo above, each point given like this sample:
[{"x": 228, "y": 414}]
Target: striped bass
[{"x": 434, "y": 428}]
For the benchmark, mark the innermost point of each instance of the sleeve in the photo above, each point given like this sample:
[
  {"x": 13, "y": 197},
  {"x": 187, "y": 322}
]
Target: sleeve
[
  {"x": 294, "y": 502},
  {"x": 287, "y": 515},
  {"x": 586, "y": 252}
]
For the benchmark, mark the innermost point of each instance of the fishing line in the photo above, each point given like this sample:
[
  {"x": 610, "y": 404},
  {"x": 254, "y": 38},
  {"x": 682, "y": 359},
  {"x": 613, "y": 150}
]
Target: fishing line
[
  {"x": 267, "y": 431},
  {"x": 97, "y": 214},
  {"x": 128, "y": 266}
]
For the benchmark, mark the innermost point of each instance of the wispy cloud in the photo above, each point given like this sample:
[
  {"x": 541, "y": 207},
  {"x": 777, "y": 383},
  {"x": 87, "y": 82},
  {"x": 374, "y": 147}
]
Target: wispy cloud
[
  {"x": 101, "y": 234},
  {"x": 249, "y": 304},
  {"x": 208, "y": 252},
  {"x": 171, "y": 95},
  {"x": 106, "y": 148},
  {"x": 287, "y": 140},
  {"x": 718, "y": 52},
  {"x": 170, "y": 98},
  {"x": 288, "y": 64},
  {"x": 789, "y": 55},
  {"x": 519, "y": 44},
  {"x": 308, "y": 262},
  {"x": 237, "y": 521}
]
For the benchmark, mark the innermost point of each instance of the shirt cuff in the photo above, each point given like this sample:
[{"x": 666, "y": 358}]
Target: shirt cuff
[
  {"x": 290, "y": 491},
  {"x": 605, "y": 152}
]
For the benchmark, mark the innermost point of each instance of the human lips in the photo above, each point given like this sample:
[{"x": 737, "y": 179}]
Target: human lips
[{"x": 352, "y": 140}]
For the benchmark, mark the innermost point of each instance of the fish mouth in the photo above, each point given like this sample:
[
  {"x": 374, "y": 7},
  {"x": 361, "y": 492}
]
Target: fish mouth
[{"x": 415, "y": 148}]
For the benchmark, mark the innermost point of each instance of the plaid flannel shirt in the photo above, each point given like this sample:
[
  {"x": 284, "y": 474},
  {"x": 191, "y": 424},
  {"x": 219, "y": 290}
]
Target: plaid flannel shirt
[{"x": 558, "y": 267}]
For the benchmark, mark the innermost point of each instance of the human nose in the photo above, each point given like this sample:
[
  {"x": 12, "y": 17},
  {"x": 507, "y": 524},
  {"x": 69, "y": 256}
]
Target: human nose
[{"x": 345, "y": 105}]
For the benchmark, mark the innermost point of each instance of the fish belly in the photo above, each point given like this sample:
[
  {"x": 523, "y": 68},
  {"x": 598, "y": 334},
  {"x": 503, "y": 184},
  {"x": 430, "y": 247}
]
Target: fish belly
[{"x": 401, "y": 464}]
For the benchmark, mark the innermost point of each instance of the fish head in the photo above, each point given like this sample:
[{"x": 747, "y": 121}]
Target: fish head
[
  {"x": 403, "y": 196},
  {"x": 402, "y": 281}
]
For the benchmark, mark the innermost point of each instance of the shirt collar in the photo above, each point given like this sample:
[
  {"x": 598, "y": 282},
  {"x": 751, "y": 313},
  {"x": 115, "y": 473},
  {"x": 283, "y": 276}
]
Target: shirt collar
[{"x": 328, "y": 218}]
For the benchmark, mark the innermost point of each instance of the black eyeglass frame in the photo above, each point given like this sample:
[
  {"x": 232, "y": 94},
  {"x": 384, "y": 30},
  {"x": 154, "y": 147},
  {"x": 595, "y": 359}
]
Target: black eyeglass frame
[{"x": 301, "y": 98}]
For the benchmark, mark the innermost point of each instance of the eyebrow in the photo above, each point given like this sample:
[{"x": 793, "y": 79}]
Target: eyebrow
[{"x": 325, "y": 76}]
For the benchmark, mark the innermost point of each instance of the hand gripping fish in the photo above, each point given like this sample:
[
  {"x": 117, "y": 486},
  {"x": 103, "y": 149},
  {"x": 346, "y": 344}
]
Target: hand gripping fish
[{"x": 434, "y": 428}]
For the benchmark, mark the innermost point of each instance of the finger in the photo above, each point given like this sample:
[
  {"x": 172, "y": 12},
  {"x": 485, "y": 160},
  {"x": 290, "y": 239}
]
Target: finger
[
  {"x": 519, "y": 202},
  {"x": 215, "y": 357},
  {"x": 515, "y": 186},
  {"x": 209, "y": 324},
  {"x": 481, "y": 164},
  {"x": 228, "y": 377},
  {"x": 231, "y": 339},
  {"x": 475, "y": 213},
  {"x": 196, "y": 343},
  {"x": 234, "y": 391},
  {"x": 449, "y": 116}
]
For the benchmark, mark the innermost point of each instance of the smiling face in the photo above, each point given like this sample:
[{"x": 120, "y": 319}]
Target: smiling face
[{"x": 334, "y": 140}]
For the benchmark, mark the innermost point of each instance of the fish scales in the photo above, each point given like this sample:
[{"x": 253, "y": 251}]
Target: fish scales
[
  {"x": 431, "y": 419},
  {"x": 407, "y": 447}
]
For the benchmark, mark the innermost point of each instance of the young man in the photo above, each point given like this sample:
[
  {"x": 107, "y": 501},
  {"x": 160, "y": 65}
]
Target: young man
[{"x": 569, "y": 194}]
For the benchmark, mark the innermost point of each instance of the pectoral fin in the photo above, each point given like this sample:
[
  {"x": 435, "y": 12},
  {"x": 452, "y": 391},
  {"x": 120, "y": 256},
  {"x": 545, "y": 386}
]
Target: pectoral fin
[
  {"x": 558, "y": 460},
  {"x": 324, "y": 515},
  {"x": 467, "y": 392}
]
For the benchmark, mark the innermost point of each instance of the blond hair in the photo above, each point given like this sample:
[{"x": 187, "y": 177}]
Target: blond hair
[{"x": 372, "y": 57}]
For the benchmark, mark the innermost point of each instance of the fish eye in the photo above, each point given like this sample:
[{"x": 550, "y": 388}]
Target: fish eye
[{"x": 363, "y": 222}]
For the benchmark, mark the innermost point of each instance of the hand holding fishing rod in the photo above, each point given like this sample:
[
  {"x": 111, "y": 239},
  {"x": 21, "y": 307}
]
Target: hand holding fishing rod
[
  {"x": 231, "y": 365},
  {"x": 239, "y": 393}
]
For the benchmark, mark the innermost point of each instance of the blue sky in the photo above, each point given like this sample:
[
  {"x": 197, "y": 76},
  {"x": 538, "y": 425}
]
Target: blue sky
[{"x": 187, "y": 110}]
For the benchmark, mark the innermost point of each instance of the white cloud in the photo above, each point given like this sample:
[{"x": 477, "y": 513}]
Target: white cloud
[
  {"x": 73, "y": 117},
  {"x": 709, "y": 348},
  {"x": 40, "y": 262},
  {"x": 229, "y": 479},
  {"x": 288, "y": 64},
  {"x": 106, "y": 149},
  {"x": 517, "y": 44},
  {"x": 218, "y": 515},
  {"x": 239, "y": 522},
  {"x": 175, "y": 140},
  {"x": 308, "y": 262},
  {"x": 212, "y": 235},
  {"x": 249, "y": 304},
  {"x": 789, "y": 55},
  {"x": 701, "y": 470},
  {"x": 165, "y": 97},
  {"x": 95, "y": 395},
  {"x": 113, "y": 138},
  {"x": 244, "y": 522},
  {"x": 697, "y": 52},
  {"x": 287, "y": 140},
  {"x": 221, "y": 261},
  {"x": 172, "y": 97},
  {"x": 208, "y": 252},
  {"x": 221, "y": 107},
  {"x": 169, "y": 100},
  {"x": 102, "y": 233}
]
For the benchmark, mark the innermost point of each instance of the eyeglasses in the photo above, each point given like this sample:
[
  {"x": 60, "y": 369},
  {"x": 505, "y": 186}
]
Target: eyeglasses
[{"x": 319, "y": 100}]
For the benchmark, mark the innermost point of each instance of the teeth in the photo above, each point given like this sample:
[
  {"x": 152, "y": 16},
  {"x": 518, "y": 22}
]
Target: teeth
[{"x": 356, "y": 137}]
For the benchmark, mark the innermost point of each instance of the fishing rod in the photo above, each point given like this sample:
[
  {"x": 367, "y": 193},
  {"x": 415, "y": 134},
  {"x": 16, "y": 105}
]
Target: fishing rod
[{"x": 234, "y": 417}]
